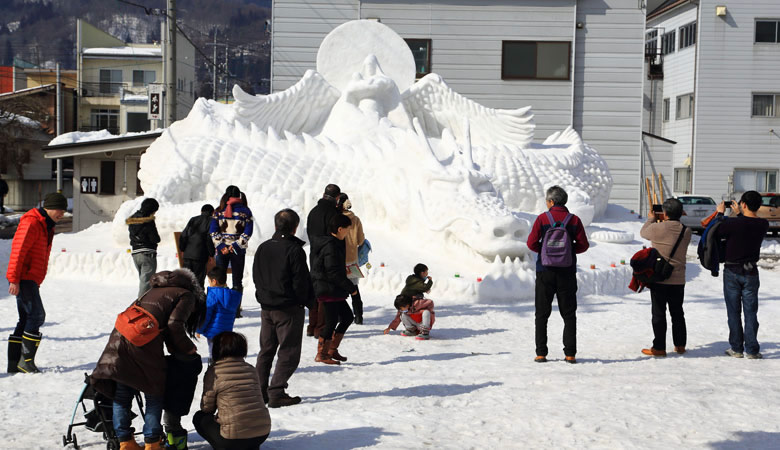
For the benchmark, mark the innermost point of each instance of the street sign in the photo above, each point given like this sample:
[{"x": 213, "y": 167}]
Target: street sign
[{"x": 155, "y": 101}]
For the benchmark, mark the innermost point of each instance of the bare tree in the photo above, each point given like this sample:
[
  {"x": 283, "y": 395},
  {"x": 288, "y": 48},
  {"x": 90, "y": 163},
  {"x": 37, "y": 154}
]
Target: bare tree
[{"x": 21, "y": 118}]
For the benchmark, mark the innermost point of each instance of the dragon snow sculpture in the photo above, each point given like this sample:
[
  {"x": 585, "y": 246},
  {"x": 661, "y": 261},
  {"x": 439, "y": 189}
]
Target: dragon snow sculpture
[{"x": 415, "y": 155}]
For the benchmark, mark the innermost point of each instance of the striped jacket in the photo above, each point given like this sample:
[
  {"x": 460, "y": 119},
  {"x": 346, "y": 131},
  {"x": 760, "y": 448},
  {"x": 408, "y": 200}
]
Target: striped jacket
[{"x": 233, "y": 232}]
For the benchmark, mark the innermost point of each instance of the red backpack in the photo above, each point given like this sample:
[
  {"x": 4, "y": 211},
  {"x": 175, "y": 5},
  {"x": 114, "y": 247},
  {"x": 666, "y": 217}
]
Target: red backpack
[{"x": 137, "y": 325}]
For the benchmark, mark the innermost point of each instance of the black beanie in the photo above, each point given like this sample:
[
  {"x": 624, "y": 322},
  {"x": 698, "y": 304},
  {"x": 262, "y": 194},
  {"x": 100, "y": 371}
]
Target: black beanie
[{"x": 55, "y": 200}]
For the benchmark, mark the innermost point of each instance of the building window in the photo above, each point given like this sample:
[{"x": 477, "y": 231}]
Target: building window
[
  {"x": 651, "y": 43},
  {"x": 535, "y": 60},
  {"x": 105, "y": 119},
  {"x": 761, "y": 180},
  {"x": 665, "y": 115},
  {"x": 684, "y": 108},
  {"x": 108, "y": 177},
  {"x": 421, "y": 50},
  {"x": 110, "y": 81},
  {"x": 667, "y": 42},
  {"x": 682, "y": 180},
  {"x": 687, "y": 35},
  {"x": 143, "y": 77},
  {"x": 765, "y": 105},
  {"x": 137, "y": 122},
  {"x": 768, "y": 31}
]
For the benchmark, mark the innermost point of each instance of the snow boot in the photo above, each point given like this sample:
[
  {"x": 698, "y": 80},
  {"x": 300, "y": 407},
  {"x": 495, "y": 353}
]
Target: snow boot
[
  {"x": 540, "y": 359},
  {"x": 177, "y": 440},
  {"x": 283, "y": 400},
  {"x": 680, "y": 349},
  {"x": 130, "y": 445},
  {"x": 333, "y": 352},
  {"x": 571, "y": 360},
  {"x": 155, "y": 445},
  {"x": 30, "y": 344},
  {"x": 14, "y": 352},
  {"x": 323, "y": 348}
]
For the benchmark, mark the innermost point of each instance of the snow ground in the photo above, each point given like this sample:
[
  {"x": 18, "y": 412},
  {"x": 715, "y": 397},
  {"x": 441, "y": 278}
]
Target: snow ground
[{"x": 473, "y": 385}]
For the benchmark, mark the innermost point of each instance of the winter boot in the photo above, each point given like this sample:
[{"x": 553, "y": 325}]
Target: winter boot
[
  {"x": 653, "y": 352},
  {"x": 14, "y": 353},
  {"x": 156, "y": 445},
  {"x": 323, "y": 348},
  {"x": 334, "y": 347},
  {"x": 177, "y": 440},
  {"x": 30, "y": 344},
  {"x": 283, "y": 400},
  {"x": 130, "y": 445}
]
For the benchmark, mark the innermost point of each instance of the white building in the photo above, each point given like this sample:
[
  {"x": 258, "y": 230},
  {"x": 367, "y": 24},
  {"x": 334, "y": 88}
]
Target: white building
[
  {"x": 577, "y": 62},
  {"x": 715, "y": 91}
]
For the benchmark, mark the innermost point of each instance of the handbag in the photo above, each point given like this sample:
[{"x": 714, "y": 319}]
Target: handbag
[{"x": 650, "y": 267}]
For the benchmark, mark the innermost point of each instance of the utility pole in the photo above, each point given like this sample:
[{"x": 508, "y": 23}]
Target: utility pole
[
  {"x": 170, "y": 64},
  {"x": 227, "y": 72},
  {"x": 59, "y": 110},
  {"x": 214, "y": 88}
]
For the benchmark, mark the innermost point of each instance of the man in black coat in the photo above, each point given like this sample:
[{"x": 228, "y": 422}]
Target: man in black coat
[
  {"x": 317, "y": 231},
  {"x": 196, "y": 244},
  {"x": 283, "y": 288},
  {"x": 144, "y": 239}
]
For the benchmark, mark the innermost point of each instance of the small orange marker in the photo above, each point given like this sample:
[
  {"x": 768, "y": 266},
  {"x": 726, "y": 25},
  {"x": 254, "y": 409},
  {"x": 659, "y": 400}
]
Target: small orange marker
[{"x": 593, "y": 266}]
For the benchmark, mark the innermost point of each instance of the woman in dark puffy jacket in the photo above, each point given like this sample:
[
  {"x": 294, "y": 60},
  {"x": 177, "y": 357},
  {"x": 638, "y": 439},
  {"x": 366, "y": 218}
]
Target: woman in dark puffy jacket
[
  {"x": 332, "y": 287},
  {"x": 177, "y": 302}
]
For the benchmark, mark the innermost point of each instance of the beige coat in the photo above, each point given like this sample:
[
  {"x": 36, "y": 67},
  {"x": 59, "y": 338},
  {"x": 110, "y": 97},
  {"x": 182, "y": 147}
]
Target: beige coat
[
  {"x": 231, "y": 388},
  {"x": 354, "y": 238},
  {"x": 662, "y": 237}
]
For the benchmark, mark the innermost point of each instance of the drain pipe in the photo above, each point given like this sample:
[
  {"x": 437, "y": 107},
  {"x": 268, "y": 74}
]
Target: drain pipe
[{"x": 124, "y": 182}]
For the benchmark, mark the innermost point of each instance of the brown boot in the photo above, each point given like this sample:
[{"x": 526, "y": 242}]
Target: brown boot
[
  {"x": 130, "y": 445},
  {"x": 679, "y": 349},
  {"x": 323, "y": 348},
  {"x": 653, "y": 352},
  {"x": 156, "y": 445},
  {"x": 334, "y": 347}
]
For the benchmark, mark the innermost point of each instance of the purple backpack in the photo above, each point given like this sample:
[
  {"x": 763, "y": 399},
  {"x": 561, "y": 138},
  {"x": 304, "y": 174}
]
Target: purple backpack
[{"x": 556, "y": 244}]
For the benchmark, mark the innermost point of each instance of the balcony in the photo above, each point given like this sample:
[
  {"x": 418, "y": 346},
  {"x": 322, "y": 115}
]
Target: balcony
[{"x": 655, "y": 61}]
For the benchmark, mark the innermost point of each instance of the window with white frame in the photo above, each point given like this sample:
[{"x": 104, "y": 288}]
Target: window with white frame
[
  {"x": 768, "y": 30},
  {"x": 144, "y": 77},
  {"x": 667, "y": 103},
  {"x": 110, "y": 81},
  {"x": 105, "y": 119},
  {"x": 765, "y": 105},
  {"x": 687, "y": 35},
  {"x": 667, "y": 42},
  {"x": 761, "y": 180},
  {"x": 651, "y": 42},
  {"x": 682, "y": 180},
  {"x": 684, "y": 109}
]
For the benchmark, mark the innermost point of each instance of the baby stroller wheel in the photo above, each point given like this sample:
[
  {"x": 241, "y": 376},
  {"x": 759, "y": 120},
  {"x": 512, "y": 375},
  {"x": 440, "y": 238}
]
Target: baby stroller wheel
[
  {"x": 112, "y": 444},
  {"x": 75, "y": 443}
]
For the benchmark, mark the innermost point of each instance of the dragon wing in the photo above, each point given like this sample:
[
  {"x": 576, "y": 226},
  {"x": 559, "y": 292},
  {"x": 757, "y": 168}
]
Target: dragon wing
[
  {"x": 437, "y": 107},
  {"x": 301, "y": 108}
]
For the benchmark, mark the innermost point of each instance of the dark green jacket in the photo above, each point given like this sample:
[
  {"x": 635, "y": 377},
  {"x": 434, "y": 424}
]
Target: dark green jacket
[{"x": 416, "y": 286}]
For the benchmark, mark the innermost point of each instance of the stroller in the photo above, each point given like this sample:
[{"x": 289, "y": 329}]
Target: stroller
[{"x": 98, "y": 419}]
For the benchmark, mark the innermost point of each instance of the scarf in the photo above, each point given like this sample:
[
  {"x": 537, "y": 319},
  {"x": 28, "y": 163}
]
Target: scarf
[{"x": 229, "y": 208}]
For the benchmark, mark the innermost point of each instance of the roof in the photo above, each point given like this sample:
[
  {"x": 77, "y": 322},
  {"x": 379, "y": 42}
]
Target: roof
[
  {"x": 667, "y": 5},
  {"x": 97, "y": 142},
  {"x": 126, "y": 51},
  {"x": 28, "y": 91}
]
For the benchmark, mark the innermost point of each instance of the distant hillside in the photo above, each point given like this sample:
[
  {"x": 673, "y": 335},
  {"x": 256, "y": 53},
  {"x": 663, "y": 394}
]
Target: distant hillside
[{"x": 43, "y": 32}]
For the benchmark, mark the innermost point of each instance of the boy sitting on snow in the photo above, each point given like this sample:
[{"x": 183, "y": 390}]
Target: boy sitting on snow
[
  {"x": 416, "y": 314},
  {"x": 418, "y": 283}
]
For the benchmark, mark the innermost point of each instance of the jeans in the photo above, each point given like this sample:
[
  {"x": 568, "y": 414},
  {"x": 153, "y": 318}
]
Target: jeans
[
  {"x": 236, "y": 263},
  {"x": 30, "y": 308},
  {"x": 123, "y": 403},
  {"x": 562, "y": 284},
  {"x": 660, "y": 296},
  {"x": 146, "y": 264},
  {"x": 741, "y": 294}
]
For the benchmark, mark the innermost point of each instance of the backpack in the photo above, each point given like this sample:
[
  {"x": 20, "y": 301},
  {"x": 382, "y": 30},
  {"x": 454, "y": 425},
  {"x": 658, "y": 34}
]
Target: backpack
[
  {"x": 137, "y": 325},
  {"x": 711, "y": 249},
  {"x": 650, "y": 267},
  {"x": 556, "y": 244},
  {"x": 363, "y": 251}
]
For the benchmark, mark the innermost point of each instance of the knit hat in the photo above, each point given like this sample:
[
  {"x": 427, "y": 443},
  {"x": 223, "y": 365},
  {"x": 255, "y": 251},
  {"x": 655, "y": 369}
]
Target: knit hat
[{"x": 55, "y": 200}]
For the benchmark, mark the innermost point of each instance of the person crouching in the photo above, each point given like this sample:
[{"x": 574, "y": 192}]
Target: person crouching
[{"x": 416, "y": 314}]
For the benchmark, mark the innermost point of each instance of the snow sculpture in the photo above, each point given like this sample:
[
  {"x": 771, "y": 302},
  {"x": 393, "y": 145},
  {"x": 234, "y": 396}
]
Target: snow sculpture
[{"x": 417, "y": 156}]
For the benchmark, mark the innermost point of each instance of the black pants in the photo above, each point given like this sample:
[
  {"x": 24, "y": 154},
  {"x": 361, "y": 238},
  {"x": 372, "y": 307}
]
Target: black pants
[
  {"x": 207, "y": 427},
  {"x": 283, "y": 330},
  {"x": 198, "y": 267},
  {"x": 338, "y": 317},
  {"x": 563, "y": 284},
  {"x": 660, "y": 295},
  {"x": 357, "y": 303}
]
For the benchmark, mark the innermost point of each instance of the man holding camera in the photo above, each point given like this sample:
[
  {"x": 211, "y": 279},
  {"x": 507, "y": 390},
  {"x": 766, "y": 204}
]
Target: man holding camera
[
  {"x": 744, "y": 235},
  {"x": 663, "y": 236}
]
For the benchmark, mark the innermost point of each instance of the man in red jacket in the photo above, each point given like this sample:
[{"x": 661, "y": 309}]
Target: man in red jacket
[
  {"x": 557, "y": 281},
  {"x": 26, "y": 270}
]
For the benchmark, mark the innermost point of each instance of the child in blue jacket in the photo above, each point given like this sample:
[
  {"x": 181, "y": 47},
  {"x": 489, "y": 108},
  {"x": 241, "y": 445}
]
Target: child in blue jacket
[{"x": 221, "y": 305}]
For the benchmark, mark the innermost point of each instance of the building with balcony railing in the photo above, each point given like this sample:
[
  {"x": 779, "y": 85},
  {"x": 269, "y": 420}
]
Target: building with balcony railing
[{"x": 113, "y": 78}]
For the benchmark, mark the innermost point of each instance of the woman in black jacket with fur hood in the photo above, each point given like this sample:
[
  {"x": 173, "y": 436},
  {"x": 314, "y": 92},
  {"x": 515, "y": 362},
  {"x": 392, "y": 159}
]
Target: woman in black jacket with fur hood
[{"x": 332, "y": 287}]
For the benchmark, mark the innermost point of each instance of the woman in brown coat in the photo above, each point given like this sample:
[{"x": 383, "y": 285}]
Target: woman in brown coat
[
  {"x": 233, "y": 415},
  {"x": 354, "y": 239},
  {"x": 178, "y": 303}
]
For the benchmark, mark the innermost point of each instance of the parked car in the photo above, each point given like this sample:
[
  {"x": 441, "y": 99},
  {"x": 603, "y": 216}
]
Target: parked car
[
  {"x": 696, "y": 208},
  {"x": 770, "y": 210}
]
